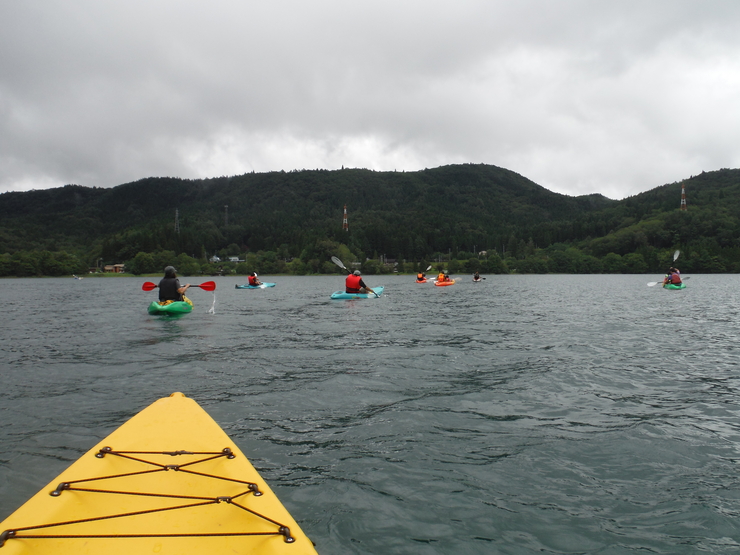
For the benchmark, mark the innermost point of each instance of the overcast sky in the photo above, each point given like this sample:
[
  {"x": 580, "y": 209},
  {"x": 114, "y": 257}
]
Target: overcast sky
[{"x": 615, "y": 97}]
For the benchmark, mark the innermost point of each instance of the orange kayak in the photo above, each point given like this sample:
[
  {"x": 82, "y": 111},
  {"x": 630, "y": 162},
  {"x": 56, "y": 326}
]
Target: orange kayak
[{"x": 444, "y": 283}]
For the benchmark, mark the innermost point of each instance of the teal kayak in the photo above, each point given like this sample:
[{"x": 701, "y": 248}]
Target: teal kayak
[
  {"x": 343, "y": 295},
  {"x": 262, "y": 286},
  {"x": 177, "y": 307},
  {"x": 671, "y": 286}
]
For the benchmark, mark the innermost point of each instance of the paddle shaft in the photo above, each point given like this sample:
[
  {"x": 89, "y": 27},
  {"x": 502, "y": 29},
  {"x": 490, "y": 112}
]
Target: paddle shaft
[{"x": 206, "y": 286}]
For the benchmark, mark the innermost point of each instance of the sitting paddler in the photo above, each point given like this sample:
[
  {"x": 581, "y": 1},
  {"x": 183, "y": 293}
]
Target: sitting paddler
[
  {"x": 673, "y": 277},
  {"x": 421, "y": 276},
  {"x": 170, "y": 289},
  {"x": 354, "y": 284},
  {"x": 441, "y": 276},
  {"x": 253, "y": 281}
]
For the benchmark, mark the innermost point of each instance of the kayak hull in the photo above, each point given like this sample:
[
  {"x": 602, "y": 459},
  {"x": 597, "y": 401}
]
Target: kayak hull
[
  {"x": 421, "y": 281},
  {"x": 262, "y": 286},
  {"x": 672, "y": 286},
  {"x": 444, "y": 283},
  {"x": 178, "y": 307},
  {"x": 196, "y": 482},
  {"x": 339, "y": 295}
]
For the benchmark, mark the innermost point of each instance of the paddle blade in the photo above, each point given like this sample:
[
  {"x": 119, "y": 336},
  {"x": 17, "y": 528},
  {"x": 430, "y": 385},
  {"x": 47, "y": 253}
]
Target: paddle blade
[
  {"x": 652, "y": 283},
  {"x": 207, "y": 286},
  {"x": 675, "y": 255},
  {"x": 148, "y": 286},
  {"x": 338, "y": 262},
  {"x": 428, "y": 268}
]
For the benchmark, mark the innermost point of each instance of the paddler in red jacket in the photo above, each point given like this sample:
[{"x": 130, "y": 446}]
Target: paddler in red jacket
[
  {"x": 253, "y": 281},
  {"x": 354, "y": 284},
  {"x": 673, "y": 277}
]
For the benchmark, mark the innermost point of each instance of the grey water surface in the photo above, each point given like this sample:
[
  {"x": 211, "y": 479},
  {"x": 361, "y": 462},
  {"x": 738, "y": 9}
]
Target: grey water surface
[{"x": 522, "y": 414}]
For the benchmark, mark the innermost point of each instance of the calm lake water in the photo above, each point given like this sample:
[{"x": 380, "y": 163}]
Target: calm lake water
[{"x": 523, "y": 414}]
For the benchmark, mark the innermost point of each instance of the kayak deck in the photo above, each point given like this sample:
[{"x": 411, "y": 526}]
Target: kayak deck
[
  {"x": 177, "y": 307},
  {"x": 444, "y": 283},
  {"x": 344, "y": 295},
  {"x": 262, "y": 286},
  {"x": 672, "y": 286},
  {"x": 168, "y": 481}
]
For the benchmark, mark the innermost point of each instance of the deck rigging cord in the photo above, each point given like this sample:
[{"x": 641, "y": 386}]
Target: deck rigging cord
[{"x": 252, "y": 488}]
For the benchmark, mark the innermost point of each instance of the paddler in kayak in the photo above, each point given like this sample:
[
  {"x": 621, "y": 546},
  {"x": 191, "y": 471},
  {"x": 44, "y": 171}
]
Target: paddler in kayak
[
  {"x": 253, "y": 281},
  {"x": 354, "y": 284},
  {"x": 673, "y": 277},
  {"x": 421, "y": 276},
  {"x": 443, "y": 276},
  {"x": 170, "y": 289}
]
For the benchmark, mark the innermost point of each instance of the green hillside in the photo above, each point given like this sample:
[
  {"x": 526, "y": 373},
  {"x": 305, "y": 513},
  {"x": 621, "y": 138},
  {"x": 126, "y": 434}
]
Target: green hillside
[{"x": 443, "y": 213}]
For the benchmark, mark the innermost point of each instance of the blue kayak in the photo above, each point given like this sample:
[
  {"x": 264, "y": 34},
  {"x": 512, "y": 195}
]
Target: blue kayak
[
  {"x": 343, "y": 295},
  {"x": 262, "y": 286}
]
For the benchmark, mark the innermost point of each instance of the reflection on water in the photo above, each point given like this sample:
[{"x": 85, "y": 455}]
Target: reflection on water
[{"x": 524, "y": 414}]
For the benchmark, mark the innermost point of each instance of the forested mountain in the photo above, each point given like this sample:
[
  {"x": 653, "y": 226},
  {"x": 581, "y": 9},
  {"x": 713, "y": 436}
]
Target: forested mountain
[{"x": 450, "y": 212}]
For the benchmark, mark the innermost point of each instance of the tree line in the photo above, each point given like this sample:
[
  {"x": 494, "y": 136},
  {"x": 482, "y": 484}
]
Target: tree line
[{"x": 471, "y": 217}]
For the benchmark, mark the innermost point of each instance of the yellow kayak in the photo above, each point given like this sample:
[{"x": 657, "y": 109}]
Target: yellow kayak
[{"x": 168, "y": 481}]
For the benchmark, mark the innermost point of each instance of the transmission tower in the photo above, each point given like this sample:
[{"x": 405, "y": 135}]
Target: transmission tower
[
  {"x": 345, "y": 225},
  {"x": 683, "y": 196}
]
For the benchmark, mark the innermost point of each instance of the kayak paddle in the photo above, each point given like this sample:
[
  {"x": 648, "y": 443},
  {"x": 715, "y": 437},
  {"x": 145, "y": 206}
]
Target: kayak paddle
[
  {"x": 207, "y": 286},
  {"x": 652, "y": 283},
  {"x": 339, "y": 263}
]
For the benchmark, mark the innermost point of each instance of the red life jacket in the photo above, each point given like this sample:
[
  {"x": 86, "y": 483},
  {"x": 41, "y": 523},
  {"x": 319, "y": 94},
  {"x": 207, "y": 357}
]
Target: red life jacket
[
  {"x": 252, "y": 280},
  {"x": 352, "y": 283},
  {"x": 675, "y": 278}
]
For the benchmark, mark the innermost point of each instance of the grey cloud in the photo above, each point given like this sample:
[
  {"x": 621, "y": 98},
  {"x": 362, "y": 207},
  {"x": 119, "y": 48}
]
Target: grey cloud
[{"x": 580, "y": 96}]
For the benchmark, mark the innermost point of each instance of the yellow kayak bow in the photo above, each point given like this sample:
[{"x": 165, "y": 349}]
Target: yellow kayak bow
[{"x": 168, "y": 481}]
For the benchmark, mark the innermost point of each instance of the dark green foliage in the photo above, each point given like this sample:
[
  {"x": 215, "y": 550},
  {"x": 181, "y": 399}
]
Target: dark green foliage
[{"x": 291, "y": 223}]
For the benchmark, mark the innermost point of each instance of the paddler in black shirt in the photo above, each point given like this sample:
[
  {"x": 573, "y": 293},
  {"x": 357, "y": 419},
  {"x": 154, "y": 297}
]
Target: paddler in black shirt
[{"x": 170, "y": 288}]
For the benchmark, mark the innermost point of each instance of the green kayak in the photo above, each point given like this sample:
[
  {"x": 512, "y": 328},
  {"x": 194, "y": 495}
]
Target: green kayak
[
  {"x": 177, "y": 307},
  {"x": 672, "y": 286}
]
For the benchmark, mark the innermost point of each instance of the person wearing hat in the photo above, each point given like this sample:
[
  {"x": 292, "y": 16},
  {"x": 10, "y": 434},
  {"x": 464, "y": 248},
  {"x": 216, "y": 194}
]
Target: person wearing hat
[
  {"x": 354, "y": 284},
  {"x": 170, "y": 288}
]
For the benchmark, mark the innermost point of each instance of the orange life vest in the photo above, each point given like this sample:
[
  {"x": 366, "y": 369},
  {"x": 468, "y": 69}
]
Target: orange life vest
[{"x": 352, "y": 283}]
